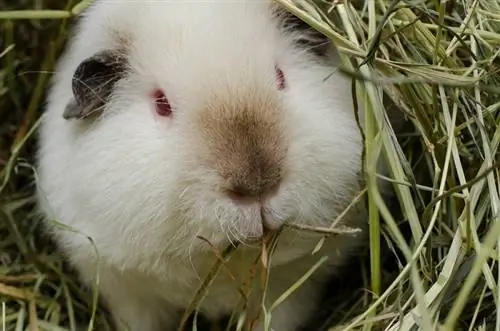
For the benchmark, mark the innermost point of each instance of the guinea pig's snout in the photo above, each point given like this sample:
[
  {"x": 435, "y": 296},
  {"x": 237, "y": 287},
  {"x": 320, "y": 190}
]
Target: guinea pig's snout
[
  {"x": 246, "y": 146},
  {"x": 257, "y": 179}
]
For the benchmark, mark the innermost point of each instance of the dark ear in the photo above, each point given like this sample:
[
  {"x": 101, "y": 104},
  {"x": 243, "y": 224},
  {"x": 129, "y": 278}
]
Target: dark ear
[
  {"x": 93, "y": 82},
  {"x": 308, "y": 37}
]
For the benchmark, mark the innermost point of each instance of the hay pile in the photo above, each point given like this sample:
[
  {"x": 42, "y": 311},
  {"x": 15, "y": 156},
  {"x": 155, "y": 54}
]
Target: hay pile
[{"x": 437, "y": 61}]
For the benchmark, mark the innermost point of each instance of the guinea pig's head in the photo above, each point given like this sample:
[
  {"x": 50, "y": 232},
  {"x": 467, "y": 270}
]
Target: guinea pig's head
[{"x": 171, "y": 120}]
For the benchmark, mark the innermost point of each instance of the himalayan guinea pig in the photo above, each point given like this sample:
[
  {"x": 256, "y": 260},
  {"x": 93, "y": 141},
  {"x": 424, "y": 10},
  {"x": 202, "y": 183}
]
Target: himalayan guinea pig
[{"x": 168, "y": 122}]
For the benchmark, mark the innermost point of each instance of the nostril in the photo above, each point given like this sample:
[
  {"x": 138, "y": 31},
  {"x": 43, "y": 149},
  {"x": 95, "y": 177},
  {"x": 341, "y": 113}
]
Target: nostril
[
  {"x": 241, "y": 190},
  {"x": 240, "y": 195},
  {"x": 250, "y": 192}
]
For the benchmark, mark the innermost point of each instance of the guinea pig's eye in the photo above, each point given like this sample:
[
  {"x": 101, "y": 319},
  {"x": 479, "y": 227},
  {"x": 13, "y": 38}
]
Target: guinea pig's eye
[
  {"x": 280, "y": 78},
  {"x": 163, "y": 107}
]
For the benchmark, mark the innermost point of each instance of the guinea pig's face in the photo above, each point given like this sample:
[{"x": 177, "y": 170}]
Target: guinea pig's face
[{"x": 218, "y": 120}]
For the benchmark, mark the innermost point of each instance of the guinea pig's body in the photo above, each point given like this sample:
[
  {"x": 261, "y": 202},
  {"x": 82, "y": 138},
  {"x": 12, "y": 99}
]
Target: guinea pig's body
[{"x": 171, "y": 121}]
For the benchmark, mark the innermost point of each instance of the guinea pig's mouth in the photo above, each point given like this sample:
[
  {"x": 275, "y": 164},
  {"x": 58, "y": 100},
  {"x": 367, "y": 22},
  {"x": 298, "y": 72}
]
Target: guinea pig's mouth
[
  {"x": 252, "y": 223},
  {"x": 244, "y": 223},
  {"x": 255, "y": 244},
  {"x": 249, "y": 233},
  {"x": 250, "y": 240},
  {"x": 266, "y": 235},
  {"x": 262, "y": 243}
]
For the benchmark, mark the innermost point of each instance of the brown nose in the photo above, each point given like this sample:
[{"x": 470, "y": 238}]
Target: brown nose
[
  {"x": 246, "y": 144},
  {"x": 256, "y": 177},
  {"x": 251, "y": 162}
]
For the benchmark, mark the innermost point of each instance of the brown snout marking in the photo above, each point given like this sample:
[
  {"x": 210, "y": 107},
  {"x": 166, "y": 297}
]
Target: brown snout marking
[{"x": 246, "y": 143}]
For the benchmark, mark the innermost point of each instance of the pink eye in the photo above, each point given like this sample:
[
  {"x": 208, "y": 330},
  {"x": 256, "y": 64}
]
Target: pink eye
[
  {"x": 163, "y": 107},
  {"x": 280, "y": 77}
]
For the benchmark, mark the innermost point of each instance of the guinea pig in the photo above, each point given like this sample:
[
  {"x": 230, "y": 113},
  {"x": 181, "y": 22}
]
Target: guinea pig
[{"x": 170, "y": 121}]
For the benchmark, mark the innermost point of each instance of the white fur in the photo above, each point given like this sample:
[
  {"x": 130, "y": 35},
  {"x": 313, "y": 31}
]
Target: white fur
[{"x": 133, "y": 184}]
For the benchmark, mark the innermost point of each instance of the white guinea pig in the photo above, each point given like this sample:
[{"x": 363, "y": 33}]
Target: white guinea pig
[{"x": 168, "y": 121}]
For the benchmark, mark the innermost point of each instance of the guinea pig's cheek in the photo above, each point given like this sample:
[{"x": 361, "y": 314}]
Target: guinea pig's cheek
[
  {"x": 273, "y": 220},
  {"x": 274, "y": 215}
]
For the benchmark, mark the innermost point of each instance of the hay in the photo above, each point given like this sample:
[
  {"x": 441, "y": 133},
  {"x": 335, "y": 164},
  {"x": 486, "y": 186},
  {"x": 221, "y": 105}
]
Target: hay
[{"x": 437, "y": 61}]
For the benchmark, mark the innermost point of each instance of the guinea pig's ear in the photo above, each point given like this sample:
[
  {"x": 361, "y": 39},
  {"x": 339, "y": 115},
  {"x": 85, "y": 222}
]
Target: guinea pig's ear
[
  {"x": 308, "y": 37},
  {"x": 93, "y": 82}
]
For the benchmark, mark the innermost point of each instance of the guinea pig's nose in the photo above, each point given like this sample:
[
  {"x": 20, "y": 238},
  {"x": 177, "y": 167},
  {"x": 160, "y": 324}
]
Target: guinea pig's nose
[
  {"x": 247, "y": 144},
  {"x": 251, "y": 186},
  {"x": 250, "y": 193}
]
